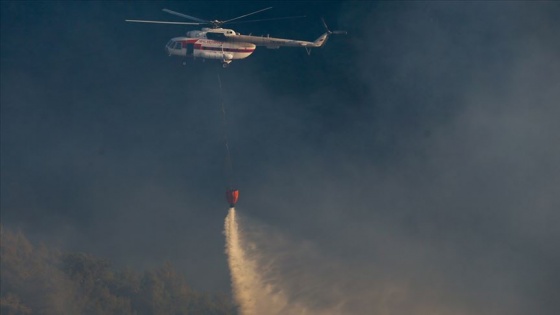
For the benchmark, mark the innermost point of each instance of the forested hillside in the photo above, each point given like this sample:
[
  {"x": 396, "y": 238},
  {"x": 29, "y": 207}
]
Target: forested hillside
[{"x": 40, "y": 280}]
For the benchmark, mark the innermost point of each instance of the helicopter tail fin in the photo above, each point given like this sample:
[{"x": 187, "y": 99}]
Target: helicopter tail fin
[{"x": 319, "y": 42}]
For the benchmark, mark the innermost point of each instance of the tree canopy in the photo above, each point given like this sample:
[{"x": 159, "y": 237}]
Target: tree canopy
[{"x": 40, "y": 280}]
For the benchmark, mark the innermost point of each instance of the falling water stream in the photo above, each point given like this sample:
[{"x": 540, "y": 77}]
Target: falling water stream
[{"x": 252, "y": 295}]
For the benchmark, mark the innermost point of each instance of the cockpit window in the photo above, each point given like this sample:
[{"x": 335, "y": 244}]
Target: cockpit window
[
  {"x": 170, "y": 44},
  {"x": 178, "y": 45}
]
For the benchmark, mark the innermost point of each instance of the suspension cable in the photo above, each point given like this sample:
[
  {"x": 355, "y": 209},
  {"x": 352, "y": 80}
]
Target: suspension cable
[{"x": 228, "y": 162}]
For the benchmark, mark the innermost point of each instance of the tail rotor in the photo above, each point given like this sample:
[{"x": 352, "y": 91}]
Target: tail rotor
[{"x": 332, "y": 32}]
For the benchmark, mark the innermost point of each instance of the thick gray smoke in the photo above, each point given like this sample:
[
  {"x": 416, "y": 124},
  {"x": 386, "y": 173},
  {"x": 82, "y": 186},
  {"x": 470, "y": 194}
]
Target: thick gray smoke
[{"x": 440, "y": 196}]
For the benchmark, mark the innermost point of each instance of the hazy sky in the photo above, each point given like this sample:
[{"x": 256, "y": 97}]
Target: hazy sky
[{"x": 418, "y": 154}]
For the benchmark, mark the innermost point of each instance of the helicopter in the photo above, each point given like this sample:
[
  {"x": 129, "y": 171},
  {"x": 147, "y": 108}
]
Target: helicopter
[{"x": 226, "y": 45}]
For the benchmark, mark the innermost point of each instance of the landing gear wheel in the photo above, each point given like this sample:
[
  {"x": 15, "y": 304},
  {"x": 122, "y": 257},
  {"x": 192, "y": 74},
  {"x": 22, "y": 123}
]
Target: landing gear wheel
[{"x": 225, "y": 65}]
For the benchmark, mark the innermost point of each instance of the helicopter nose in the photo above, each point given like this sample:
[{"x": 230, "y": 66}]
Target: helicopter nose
[{"x": 168, "y": 47}]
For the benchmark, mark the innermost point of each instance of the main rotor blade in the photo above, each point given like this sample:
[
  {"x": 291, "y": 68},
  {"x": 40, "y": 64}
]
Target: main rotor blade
[
  {"x": 271, "y": 19},
  {"x": 246, "y": 15},
  {"x": 163, "y": 22},
  {"x": 185, "y": 16}
]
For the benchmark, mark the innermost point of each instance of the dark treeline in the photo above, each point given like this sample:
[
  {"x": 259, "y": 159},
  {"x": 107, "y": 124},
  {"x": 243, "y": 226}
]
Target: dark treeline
[{"x": 40, "y": 280}]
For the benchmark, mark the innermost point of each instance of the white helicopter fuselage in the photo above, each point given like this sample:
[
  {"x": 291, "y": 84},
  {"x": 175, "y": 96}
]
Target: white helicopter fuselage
[
  {"x": 225, "y": 44},
  {"x": 197, "y": 45}
]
